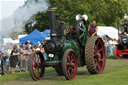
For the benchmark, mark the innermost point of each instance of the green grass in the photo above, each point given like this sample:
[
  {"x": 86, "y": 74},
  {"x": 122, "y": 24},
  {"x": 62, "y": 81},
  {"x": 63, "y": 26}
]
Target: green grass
[
  {"x": 20, "y": 76},
  {"x": 119, "y": 77},
  {"x": 15, "y": 76},
  {"x": 116, "y": 73}
]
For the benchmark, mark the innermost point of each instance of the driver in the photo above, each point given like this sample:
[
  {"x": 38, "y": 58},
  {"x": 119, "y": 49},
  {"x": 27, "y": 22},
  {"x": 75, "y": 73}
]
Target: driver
[{"x": 93, "y": 29}]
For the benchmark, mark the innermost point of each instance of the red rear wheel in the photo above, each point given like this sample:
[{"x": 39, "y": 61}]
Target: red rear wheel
[
  {"x": 69, "y": 64},
  {"x": 99, "y": 55},
  {"x": 36, "y": 66},
  {"x": 95, "y": 55}
]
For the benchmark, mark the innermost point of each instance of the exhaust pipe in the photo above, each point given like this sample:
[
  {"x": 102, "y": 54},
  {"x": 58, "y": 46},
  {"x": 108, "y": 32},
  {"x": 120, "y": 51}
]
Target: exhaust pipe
[{"x": 52, "y": 19}]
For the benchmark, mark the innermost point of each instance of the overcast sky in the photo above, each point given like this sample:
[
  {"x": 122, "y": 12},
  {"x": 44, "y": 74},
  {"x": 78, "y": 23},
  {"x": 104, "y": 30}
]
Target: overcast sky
[{"x": 7, "y": 7}]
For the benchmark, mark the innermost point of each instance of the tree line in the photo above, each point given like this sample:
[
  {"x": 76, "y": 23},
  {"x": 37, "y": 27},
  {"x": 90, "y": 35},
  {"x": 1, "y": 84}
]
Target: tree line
[{"x": 105, "y": 12}]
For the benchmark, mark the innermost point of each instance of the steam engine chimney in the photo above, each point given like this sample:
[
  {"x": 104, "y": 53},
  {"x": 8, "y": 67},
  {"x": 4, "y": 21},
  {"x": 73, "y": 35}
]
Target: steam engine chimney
[{"x": 52, "y": 19}]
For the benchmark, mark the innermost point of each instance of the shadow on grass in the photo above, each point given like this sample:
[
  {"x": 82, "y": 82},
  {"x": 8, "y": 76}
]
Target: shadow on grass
[
  {"x": 49, "y": 74},
  {"x": 120, "y": 57}
]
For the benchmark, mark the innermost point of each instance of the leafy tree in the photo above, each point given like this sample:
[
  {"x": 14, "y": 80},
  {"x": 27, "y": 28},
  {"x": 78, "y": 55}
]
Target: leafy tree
[{"x": 105, "y": 12}]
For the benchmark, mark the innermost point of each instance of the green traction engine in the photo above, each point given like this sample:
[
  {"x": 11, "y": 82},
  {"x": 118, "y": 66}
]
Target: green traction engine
[{"x": 68, "y": 49}]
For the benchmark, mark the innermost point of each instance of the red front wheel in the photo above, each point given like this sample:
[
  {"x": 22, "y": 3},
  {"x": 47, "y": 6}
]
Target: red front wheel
[
  {"x": 36, "y": 66},
  {"x": 69, "y": 64}
]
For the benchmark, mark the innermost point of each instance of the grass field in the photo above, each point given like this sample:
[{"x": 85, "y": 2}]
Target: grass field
[{"x": 116, "y": 73}]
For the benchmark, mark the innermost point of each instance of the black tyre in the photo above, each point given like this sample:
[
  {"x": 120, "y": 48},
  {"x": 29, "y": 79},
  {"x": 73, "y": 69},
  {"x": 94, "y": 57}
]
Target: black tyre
[
  {"x": 36, "y": 65},
  {"x": 95, "y": 55},
  {"x": 59, "y": 70}
]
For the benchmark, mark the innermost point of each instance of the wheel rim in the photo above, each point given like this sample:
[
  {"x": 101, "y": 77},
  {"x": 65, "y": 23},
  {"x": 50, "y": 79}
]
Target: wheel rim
[
  {"x": 82, "y": 32},
  {"x": 99, "y": 55},
  {"x": 71, "y": 65},
  {"x": 36, "y": 66}
]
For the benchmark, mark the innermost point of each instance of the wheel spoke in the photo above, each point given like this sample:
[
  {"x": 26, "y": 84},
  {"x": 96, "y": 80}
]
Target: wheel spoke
[
  {"x": 98, "y": 51},
  {"x": 83, "y": 40},
  {"x": 68, "y": 59},
  {"x": 101, "y": 60},
  {"x": 39, "y": 65},
  {"x": 69, "y": 71},
  {"x": 81, "y": 29},
  {"x": 97, "y": 43},
  {"x": 38, "y": 58},
  {"x": 81, "y": 35},
  {"x": 68, "y": 64},
  {"x": 98, "y": 66},
  {"x": 83, "y": 26},
  {"x": 72, "y": 70},
  {"x": 72, "y": 55}
]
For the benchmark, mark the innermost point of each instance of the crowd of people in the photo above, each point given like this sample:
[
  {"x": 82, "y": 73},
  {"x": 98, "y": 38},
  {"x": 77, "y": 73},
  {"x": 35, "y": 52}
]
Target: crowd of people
[
  {"x": 110, "y": 47},
  {"x": 18, "y": 57}
]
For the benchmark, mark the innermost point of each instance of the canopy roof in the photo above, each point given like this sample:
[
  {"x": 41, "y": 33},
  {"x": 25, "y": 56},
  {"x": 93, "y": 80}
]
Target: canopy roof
[
  {"x": 33, "y": 37},
  {"x": 110, "y": 31}
]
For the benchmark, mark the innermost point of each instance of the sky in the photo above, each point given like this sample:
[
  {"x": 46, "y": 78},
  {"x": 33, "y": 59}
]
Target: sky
[{"x": 7, "y": 7}]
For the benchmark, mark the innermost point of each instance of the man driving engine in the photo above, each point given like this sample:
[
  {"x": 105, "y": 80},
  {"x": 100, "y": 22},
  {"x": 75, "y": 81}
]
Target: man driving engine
[{"x": 93, "y": 29}]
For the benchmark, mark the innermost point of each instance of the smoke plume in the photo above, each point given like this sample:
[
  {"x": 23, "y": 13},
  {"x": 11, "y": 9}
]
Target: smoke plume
[{"x": 16, "y": 22}]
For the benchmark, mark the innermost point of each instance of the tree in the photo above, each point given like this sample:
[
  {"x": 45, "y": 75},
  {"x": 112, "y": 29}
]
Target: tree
[{"x": 105, "y": 12}]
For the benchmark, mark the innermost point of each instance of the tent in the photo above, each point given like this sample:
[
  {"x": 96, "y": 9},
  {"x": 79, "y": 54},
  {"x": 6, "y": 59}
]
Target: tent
[
  {"x": 7, "y": 40},
  {"x": 110, "y": 31},
  {"x": 33, "y": 37},
  {"x": 21, "y": 36},
  {"x": 46, "y": 34}
]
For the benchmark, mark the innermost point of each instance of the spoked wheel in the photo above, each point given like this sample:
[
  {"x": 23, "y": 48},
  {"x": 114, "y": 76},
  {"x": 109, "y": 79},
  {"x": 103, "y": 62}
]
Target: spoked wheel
[
  {"x": 59, "y": 70},
  {"x": 69, "y": 64},
  {"x": 95, "y": 57},
  {"x": 36, "y": 65},
  {"x": 82, "y": 31}
]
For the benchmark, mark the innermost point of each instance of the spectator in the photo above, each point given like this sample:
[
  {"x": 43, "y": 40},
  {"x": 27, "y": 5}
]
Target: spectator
[
  {"x": 14, "y": 58},
  {"x": 1, "y": 63},
  {"x": 27, "y": 45},
  {"x": 1, "y": 68},
  {"x": 32, "y": 49},
  {"x": 36, "y": 47},
  {"x": 43, "y": 51},
  {"x": 44, "y": 42},
  {"x": 110, "y": 47},
  {"x": 2, "y": 49},
  {"x": 39, "y": 44},
  {"x": 27, "y": 53},
  {"x": 22, "y": 59},
  {"x": 6, "y": 60}
]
